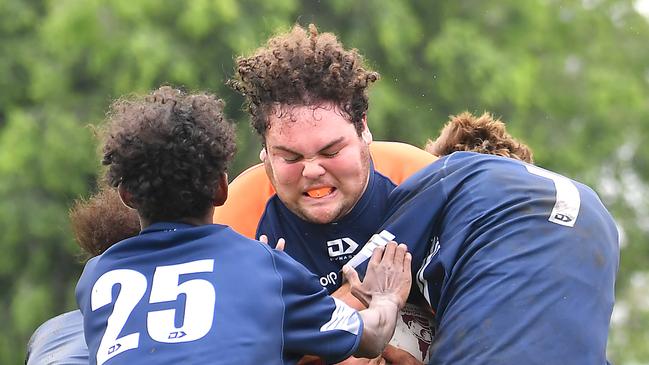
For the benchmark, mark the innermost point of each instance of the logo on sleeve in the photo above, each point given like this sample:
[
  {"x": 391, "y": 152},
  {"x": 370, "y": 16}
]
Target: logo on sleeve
[{"x": 341, "y": 246}]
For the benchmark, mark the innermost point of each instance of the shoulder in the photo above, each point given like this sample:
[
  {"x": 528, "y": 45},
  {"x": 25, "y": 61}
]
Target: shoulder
[
  {"x": 398, "y": 161},
  {"x": 247, "y": 197},
  {"x": 59, "y": 339},
  {"x": 477, "y": 165},
  {"x": 66, "y": 321}
]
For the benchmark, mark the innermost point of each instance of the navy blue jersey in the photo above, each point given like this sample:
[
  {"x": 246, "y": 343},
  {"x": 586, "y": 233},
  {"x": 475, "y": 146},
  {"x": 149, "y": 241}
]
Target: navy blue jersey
[
  {"x": 59, "y": 341},
  {"x": 325, "y": 248},
  {"x": 181, "y": 294},
  {"x": 518, "y": 262}
]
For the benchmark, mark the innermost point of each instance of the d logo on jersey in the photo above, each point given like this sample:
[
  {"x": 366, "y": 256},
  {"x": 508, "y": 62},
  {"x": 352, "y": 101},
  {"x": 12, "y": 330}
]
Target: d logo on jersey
[{"x": 341, "y": 246}]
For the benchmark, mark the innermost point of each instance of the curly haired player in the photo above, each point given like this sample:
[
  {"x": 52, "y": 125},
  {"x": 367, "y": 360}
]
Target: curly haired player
[
  {"x": 517, "y": 261},
  {"x": 307, "y": 97},
  {"x": 102, "y": 220},
  {"x": 484, "y": 134},
  {"x": 185, "y": 290}
]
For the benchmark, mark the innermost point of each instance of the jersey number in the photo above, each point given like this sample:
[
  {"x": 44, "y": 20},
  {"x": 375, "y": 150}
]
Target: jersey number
[
  {"x": 567, "y": 200},
  {"x": 199, "y": 306}
]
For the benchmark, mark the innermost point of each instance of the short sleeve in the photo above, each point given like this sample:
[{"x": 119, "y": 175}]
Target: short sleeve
[
  {"x": 59, "y": 340},
  {"x": 314, "y": 322}
]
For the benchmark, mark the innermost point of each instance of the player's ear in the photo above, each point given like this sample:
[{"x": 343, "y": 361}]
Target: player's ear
[
  {"x": 125, "y": 196},
  {"x": 221, "y": 192},
  {"x": 263, "y": 154},
  {"x": 366, "y": 134}
]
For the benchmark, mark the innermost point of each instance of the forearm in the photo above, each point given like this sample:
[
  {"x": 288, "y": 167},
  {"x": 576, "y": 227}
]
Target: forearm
[
  {"x": 344, "y": 293},
  {"x": 379, "y": 321}
]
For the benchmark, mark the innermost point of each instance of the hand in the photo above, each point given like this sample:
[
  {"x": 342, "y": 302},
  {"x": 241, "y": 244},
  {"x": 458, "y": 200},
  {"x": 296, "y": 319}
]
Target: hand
[
  {"x": 388, "y": 275},
  {"x": 281, "y": 243},
  {"x": 397, "y": 356}
]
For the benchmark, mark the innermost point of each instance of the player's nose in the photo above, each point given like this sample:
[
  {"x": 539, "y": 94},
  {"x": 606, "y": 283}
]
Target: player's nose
[{"x": 312, "y": 169}]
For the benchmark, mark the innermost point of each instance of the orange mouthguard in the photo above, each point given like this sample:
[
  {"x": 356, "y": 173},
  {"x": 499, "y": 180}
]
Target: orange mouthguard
[{"x": 319, "y": 193}]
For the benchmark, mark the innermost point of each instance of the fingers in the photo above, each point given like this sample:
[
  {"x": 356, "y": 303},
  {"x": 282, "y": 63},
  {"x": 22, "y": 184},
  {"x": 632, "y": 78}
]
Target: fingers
[
  {"x": 390, "y": 248},
  {"x": 392, "y": 253},
  {"x": 355, "y": 285},
  {"x": 377, "y": 255},
  {"x": 351, "y": 276},
  {"x": 400, "y": 253},
  {"x": 407, "y": 262},
  {"x": 281, "y": 243}
]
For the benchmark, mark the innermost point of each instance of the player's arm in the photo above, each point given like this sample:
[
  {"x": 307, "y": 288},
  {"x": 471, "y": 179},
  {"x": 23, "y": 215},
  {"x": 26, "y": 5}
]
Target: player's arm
[
  {"x": 344, "y": 293},
  {"x": 385, "y": 289},
  {"x": 317, "y": 324}
]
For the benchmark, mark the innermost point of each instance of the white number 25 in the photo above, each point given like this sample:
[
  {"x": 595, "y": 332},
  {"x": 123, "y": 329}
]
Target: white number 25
[{"x": 199, "y": 306}]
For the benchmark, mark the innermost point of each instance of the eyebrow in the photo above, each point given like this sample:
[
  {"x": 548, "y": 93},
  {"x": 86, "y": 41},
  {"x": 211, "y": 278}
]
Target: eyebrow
[{"x": 326, "y": 147}]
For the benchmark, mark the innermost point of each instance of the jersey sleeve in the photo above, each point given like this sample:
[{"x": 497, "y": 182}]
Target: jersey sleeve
[
  {"x": 314, "y": 322},
  {"x": 59, "y": 340},
  {"x": 247, "y": 197}
]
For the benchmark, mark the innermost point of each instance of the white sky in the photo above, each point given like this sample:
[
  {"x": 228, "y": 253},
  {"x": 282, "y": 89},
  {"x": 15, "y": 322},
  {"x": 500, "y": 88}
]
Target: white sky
[{"x": 642, "y": 7}]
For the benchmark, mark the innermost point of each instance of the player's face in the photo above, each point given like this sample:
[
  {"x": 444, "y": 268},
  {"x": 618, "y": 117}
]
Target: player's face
[{"x": 316, "y": 161}]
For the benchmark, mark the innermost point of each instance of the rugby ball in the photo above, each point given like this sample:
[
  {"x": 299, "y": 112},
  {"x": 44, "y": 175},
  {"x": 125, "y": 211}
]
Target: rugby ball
[{"x": 414, "y": 332}]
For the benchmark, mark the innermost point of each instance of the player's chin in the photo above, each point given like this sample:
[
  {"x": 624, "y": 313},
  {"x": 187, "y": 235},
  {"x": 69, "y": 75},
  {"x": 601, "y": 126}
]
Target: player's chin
[{"x": 321, "y": 214}]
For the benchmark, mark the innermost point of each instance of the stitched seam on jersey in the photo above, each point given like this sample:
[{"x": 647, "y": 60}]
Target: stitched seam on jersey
[{"x": 444, "y": 172}]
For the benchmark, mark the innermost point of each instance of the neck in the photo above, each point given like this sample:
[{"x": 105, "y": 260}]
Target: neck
[{"x": 207, "y": 218}]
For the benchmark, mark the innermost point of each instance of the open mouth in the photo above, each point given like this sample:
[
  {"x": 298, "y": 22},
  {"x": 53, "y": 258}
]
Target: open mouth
[{"x": 319, "y": 192}]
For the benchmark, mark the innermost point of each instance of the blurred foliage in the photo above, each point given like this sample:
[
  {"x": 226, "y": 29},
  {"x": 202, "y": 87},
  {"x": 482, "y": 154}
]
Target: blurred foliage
[{"x": 570, "y": 78}]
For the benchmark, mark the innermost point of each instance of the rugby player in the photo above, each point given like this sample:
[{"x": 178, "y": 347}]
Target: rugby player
[{"x": 517, "y": 262}]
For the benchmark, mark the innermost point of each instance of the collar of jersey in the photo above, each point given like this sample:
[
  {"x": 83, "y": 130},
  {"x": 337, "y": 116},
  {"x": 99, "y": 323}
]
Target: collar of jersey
[{"x": 165, "y": 226}]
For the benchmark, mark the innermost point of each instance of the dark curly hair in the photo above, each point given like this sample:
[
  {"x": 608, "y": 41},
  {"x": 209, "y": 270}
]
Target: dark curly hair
[
  {"x": 303, "y": 68},
  {"x": 101, "y": 221},
  {"x": 168, "y": 150},
  {"x": 484, "y": 134}
]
